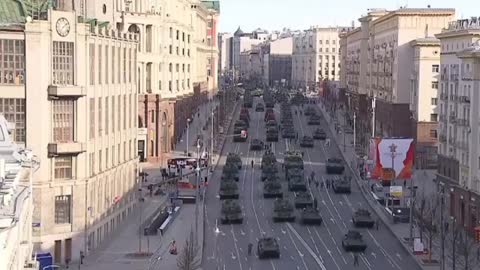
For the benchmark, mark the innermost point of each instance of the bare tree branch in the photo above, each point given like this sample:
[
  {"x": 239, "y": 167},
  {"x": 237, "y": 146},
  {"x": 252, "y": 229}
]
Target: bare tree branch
[{"x": 189, "y": 257}]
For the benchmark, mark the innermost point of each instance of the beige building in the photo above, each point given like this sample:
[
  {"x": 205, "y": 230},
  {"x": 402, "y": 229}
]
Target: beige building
[
  {"x": 174, "y": 76},
  {"x": 80, "y": 103},
  {"x": 459, "y": 130},
  {"x": 15, "y": 204},
  {"x": 378, "y": 61},
  {"x": 315, "y": 57},
  {"x": 424, "y": 101}
]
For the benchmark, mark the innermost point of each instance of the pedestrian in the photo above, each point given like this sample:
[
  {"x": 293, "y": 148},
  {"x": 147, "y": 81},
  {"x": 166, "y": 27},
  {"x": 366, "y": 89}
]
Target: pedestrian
[
  {"x": 321, "y": 185},
  {"x": 355, "y": 259},
  {"x": 250, "y": 247},
  {"x": 252, "y": 162},
  {"x": 328, "y": 184},
  {"x": 404, "y": 183},
  {"x": 316, "y": 184}
]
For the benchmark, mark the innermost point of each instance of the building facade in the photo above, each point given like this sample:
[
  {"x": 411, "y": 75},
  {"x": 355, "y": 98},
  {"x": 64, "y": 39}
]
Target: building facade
[
  {"x": 424, "y": 100},
  {"x": 76, "y": 78},
  {"x": 315, "y": 57},
  {"x": 224, "y": 43},
  {"x": 378, "y": 60},
  {"x": 16, "y": 206},
  {"x": 277, "y": 62},
  {"x": 459, "y": 98}
]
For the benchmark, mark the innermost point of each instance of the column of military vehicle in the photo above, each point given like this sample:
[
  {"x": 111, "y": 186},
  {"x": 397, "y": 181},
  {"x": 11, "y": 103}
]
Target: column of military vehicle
[{"x": 231, "y": 211}]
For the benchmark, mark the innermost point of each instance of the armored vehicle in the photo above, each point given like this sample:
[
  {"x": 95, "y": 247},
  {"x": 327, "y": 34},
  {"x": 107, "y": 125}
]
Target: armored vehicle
[
  {"x": 260, "y": 107},
  {"x": 306, "y": 141},
  {"x": 283, "y": 211},
  {"x": 268, "y": 248},
  {"x": 269, "y": 170},
  {"x": 293, "y": 159},
  {"x": 335, "y": 166},
  {"x": 288, "y": 132},
  {"x": 342, "y": 185},
  {"x": 311, "y": 216},
  {"x": 245, "y": 118},
  {"x": 363, "y": 218},
  {"x": 231, "y": 212},
  {"x": 268, "y": 158},
  {"x": 234, "y": 159},
  {"x": 272, "y": 134},
  {"x": 314, "y": 120},
  {"x": 353, "y": 241},
  {"x": 269, "y": 116},
  {"x": 303, "y": 200},
  {"x": 256, "y": 145},
  {"x": 319, "y": 134},
  {"x": 272, "y": 189},
  {"x": 295, "y": 172},
  {"x": 240, "y": 124},
  {"x": 228, "y": 190},
  {"x": 230, "y": 171},
  {"x": 297, "y": 184}
]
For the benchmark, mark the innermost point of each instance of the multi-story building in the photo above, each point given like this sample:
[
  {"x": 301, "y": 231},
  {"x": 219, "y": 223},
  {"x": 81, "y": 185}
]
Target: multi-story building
[
  {"x": 378, "y": 59},
  {"x": 177, "y": 39},
  {"x": 277, "y": 61},
  {"x": 242, "y": 42},
  {"x": 424, "y": 101},
  {"x": 315, "y": 57},
  {"x": 15, "y": 204},
  {"x": 251, "y": 64},
  {"x": 224, "y": 49},
  {"x": 76, "y": 79},
  {"x": 458, "y": 128}
]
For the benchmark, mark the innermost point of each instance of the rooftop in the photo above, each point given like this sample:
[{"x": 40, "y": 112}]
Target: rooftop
[
  {"x": 212, "y": 5},
  {"x": 14, "y": 12}
]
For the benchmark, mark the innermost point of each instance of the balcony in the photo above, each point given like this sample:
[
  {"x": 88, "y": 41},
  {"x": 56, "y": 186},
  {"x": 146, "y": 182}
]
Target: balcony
[
  {"x": 443, "y": 96},
  {"x": 66, "y": 91},
  {"x": 62, "y": 148},
  {"x": 464, "y": 99}
]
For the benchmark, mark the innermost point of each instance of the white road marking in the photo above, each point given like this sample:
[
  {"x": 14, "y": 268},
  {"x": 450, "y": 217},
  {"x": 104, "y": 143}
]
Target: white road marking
[{"x": 306, "y": 246}]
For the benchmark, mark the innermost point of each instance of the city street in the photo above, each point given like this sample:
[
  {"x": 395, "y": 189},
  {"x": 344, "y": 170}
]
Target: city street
[{"x": 302, "y": 247}]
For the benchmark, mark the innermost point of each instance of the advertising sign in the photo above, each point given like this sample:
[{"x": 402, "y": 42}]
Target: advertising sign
[
  {"x": 396, "y": 191},
  {"x": 392, "y": 157}
]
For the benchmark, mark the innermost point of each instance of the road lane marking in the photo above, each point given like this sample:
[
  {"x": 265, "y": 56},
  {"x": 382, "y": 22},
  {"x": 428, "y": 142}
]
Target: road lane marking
[{"x": 307, "y": 247}]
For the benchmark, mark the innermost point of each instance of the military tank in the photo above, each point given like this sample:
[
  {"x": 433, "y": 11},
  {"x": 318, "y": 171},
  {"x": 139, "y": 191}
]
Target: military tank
[
  {"x": 311, "y": 216},
  {"x": 297, "y": 184},
  {"x": 293, "y": 159},
  {"x": 230, "y": 171},
  {"x": 268, "y": 248},
  {"x": 295, "y": 172},
  {"x": 342, "y": 185},
  {"x": 319, "y": 134},
  {"x": 269, "y": 171},
  {"x": 231, "y": 212},
  {"x": 272, "y": 189},
  {"x": 283, "y": 211},
  {"x": 314, "y": 120},
  {"x": 272, "y": 134},
  {"x": 233, "y": 158},
  {"x": 363, "y": 218},
  {"x": 303, "y": 200},
  {"x": 268, "y": 158},
  {"x": 353, "y": 241},
  {"x": 335, "y": 166},
  {"x": 228, "y": 190}
]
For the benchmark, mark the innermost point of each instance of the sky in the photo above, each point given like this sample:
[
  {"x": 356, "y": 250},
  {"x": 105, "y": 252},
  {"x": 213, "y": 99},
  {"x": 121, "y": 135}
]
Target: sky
[{"x": 301, "y": 14}]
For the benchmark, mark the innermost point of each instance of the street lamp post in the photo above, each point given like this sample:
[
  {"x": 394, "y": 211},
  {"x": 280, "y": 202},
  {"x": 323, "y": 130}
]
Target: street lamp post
[
  {"x": 188, "y": 128},
  {"x": 354, "y": 131},
  {"x": 197, "y": 191},
  {"x": 211, "y": 141}
]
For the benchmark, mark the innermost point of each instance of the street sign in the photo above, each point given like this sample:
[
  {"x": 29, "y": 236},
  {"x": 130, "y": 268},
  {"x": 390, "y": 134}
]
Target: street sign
[{"x": 396, "y": 191}]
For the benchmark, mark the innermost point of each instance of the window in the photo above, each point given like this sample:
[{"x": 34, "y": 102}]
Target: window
[
  {"x": 92, "y": 117},
  {"x": 188, "y": 38},
  {"x": 327, "y": 42},
  {"x": 119, "y": 111},
  {"x": 188, "y": 68},
  {"x": 178, "y": 34},
  {"x": 434, "y": 101},
  {"x": 124, "y": 65},
  {"x": 100, "y": 161},
  {"x": 12, "y": 61},
  {"x": 100, "y": 64},
  {"x": 183, "y": 36},
  {"x": 188, "y": 83},
  {"x": 113, "y": 64},
  {"x": 92, "y": 63},
  {"x": 62, "y": 63},
  {"x": 124, "y": 111},
  {"x": 177, "y": 67},
  {"x": 119, "y": 63},
  {"x": 177, "y": 85},
  {"x": 334, "y": 42},
  {"x": 107, "y": 115},
  {"x": 130, "y": 111},
  {"x": 113, "y": 114},
  {"x": 124, "y": 151},
  {"x": 170, "y": 85},
  {"x": 434, "y": 85},
  {"x": 177, "y": 51},
  {"x": 320, "y": 50},
  {"x": 183, "y": 67},
  {"x": 13, "y": 109},
  {"x": 63, "y": 209},
  {"x": 333, "y": 49},
  {"x": 170, "y": 49},
  {"x": 188, "y": 52},
  {"x": 320, "y": 42},
  {"x": 100, "y": 115},
  {"x": 171, "y": 33},
  {"x": 63, "y": 167},
  {"x": 63, "y": 123},
  {"x": 106, "y": 65},
  {"x": 435, "y": 68},
  {"x": 433, "y": 117},
  {"x": 433, "y": 133},
  {"x": 170, "y": 67},
  {"x": 107, "y": 158},
  {"x": 130, "y": 65}
]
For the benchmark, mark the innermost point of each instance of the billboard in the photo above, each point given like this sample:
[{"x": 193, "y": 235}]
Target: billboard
[{"x": 392, "y": 158}]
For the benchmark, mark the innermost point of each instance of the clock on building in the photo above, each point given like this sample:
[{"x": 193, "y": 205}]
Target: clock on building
[{"x": 63, "y": 27}]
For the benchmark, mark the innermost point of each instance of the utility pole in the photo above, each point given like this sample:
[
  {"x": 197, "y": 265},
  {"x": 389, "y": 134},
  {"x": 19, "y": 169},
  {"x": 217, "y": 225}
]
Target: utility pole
[
  {"x": 188, "y": 128},
  {"x": 442, "y": 230},
  {"x": 211, "y": 143},
  {"x": 197, "y": 191},
  {"x": 412, "y": 207},
  {"x": 354, "y": 131},
  {"x": 374, "y": 102}
]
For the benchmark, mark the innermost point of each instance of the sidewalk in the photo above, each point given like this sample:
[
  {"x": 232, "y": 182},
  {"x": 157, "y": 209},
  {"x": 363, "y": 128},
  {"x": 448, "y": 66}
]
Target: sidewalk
[{"x": 400, "y": 230}]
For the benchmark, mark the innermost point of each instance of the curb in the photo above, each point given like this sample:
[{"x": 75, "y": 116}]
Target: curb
[{"x": 370, "y": 203}]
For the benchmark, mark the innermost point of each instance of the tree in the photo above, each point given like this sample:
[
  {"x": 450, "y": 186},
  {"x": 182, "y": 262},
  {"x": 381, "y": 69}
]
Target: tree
[
  {"x": 189, "y": 257},
  {"x": 466, "y": 248},
  {"x": 429, "y": 221}
]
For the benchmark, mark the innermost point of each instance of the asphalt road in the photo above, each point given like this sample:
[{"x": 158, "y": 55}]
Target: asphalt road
[{"x": 302, "y": 247}]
